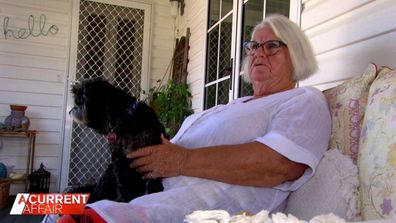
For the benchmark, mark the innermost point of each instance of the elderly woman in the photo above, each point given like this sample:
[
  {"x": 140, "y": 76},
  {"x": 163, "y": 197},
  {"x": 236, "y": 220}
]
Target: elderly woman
[{"x": 247, "y": 155}]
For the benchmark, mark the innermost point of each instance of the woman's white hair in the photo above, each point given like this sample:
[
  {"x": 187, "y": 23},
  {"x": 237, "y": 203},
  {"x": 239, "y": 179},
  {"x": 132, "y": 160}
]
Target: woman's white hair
[{"x": 301, "y": 53}]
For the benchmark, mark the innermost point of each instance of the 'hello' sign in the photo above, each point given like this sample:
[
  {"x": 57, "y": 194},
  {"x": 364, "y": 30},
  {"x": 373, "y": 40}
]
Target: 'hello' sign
[{"x": 30, "y": 30}]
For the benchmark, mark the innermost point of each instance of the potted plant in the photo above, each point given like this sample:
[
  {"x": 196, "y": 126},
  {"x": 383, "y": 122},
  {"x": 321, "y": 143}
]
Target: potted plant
[{"x": 172, "y": 103}]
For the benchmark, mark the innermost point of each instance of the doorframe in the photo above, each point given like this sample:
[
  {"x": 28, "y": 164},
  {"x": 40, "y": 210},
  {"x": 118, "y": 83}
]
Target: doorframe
[{"x": 71, "y": 73}]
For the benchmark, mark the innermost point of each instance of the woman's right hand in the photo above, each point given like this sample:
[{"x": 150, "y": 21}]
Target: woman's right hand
[{"x": 163, "y": 160}]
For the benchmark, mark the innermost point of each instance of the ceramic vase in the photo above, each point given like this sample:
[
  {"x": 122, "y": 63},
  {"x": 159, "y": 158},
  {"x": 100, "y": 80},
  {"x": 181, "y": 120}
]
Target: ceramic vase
[{"x": 17, "y": 120}]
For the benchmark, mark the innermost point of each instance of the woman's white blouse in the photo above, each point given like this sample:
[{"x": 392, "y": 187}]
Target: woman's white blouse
[{"x": 295, "y": 123}]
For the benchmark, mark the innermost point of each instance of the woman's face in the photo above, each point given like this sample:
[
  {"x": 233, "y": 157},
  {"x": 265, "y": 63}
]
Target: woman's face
[{"x": 270, "y": 74}]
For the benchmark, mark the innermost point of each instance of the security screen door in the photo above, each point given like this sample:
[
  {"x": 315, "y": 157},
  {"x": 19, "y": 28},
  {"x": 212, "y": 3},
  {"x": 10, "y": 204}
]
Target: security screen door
[
  {"x": 230, "y": 22},
  {"x": 110, "y": 44}
]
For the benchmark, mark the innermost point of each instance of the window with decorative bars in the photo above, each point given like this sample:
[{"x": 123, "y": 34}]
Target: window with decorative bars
[{"x": 225, "y": 34}]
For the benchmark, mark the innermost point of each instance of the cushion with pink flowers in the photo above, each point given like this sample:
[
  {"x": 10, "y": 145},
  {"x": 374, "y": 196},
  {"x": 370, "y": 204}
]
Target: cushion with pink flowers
[
  {"x": 347, "y": 103},
  {"x": 377, "y": 154}
]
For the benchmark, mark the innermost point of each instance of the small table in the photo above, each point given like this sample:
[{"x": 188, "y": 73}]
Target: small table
[{"x": 31, "y": 135}]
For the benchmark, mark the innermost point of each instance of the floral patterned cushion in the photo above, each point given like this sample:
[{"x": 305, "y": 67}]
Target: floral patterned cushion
[
  {"x": 347, "y": 103},
  {"x": 377, "y": 155}
]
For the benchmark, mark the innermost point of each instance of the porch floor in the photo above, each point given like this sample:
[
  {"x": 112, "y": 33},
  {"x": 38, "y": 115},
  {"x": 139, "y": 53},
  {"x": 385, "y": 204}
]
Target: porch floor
[{"x": 5, "y": 216}]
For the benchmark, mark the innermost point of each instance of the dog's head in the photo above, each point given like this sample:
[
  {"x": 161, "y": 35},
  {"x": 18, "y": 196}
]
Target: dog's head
[{"x": 97, "y": 102}]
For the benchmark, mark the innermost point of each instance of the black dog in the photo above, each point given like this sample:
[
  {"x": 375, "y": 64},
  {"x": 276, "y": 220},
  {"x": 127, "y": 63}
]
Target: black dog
[{"x": 129, "y": 124}]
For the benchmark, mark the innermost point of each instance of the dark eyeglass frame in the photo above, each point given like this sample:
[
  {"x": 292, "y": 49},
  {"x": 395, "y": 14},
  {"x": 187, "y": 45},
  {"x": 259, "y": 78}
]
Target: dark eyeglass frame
[{"x": 270, "y": 47}]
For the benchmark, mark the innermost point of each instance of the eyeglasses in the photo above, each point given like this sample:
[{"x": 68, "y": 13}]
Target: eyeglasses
[{"x": 270, "y": 47}]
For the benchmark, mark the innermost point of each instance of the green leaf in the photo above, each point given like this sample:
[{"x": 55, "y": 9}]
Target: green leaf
[{"x": 172, "y": 102}]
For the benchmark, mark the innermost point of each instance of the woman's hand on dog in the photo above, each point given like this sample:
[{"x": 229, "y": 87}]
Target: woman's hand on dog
[{"x": 163, "y": 160}]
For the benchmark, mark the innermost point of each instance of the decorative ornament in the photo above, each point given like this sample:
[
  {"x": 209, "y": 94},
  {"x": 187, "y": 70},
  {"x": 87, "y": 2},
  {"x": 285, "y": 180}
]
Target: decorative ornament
[{"x": 17, "y": 120}]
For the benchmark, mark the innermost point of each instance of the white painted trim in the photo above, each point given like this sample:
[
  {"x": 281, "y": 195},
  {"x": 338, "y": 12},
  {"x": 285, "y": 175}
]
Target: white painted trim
[
  {"x": 71, "y": 76},
  {"x": 264, "y": 9},
  {"x": 220, "y": 20},
  {"x": 217, "y": 81},
  {"x": 234, "y": 38},
  {"x": 65, "y": 107},
  {"x": 295, "y": 11},
  {"x": 237, "y": 62},
  {"x": 205, "y": 31},
  {"x": 146, "y": 55}
]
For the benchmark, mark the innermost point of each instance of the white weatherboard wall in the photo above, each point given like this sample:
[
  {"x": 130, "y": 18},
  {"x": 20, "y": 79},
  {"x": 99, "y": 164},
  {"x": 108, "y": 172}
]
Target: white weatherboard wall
[
  {"x": 195, "y": 15},
  {"x": 162, "y": 40},
  {"x": 348, "y": 35},
  {"x": 33, "y": 71}
]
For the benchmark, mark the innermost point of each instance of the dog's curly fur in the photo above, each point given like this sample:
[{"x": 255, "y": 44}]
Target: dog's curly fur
[{"x": 107, "y": 109}]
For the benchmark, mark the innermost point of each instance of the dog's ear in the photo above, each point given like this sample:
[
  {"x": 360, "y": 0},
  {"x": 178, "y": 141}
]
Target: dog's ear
[
  {"x": 77, "y": 92},
  {"x": 74, "y": 88}
]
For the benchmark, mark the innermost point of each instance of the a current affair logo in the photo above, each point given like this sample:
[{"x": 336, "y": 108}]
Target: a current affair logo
[{"x": 40, "y": 204}]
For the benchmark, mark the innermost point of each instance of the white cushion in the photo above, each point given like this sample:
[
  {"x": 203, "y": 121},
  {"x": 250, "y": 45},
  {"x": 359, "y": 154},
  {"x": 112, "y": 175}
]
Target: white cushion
[{"x": 333, "y": 189}]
